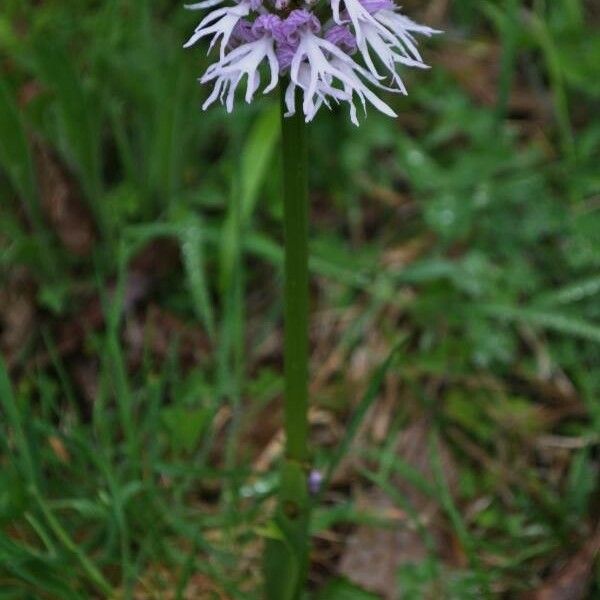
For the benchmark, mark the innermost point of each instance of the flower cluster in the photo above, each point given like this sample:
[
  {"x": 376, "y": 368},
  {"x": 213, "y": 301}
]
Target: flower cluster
[{"x": 336, "y": 53}]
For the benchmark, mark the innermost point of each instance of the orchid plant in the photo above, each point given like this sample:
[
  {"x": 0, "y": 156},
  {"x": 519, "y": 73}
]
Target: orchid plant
[{"x": 319, "y": 53}]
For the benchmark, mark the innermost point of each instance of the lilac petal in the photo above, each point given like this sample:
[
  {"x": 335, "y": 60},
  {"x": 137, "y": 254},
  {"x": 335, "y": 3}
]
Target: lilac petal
[
  {"x": 289, "y": 29},
  {"x": 342, "y": 37},
  {"x": 265, "y": 25}
]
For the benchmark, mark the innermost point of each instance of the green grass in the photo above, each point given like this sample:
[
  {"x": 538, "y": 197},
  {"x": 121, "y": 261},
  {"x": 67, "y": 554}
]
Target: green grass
[{"x": 454, "y": 258}]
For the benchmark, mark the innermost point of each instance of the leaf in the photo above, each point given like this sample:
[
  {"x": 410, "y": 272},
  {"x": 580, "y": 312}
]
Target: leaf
[
  {"x": 256, "y": 158},
  {"x": 253, "y": 168},
  {"x": 572, "y": 582},
  {"x": 549, "y": 320},
  {"x": 192, "y": 250},
  {"x": 13, "y": 418},
  {"x": 580, "y": 485},
  {"x": 185, "y": 426},
  {"x": 578, "y": 60},
  {"x": 469, "y": 412},
  {"x": 61, "y": 201},
  {"x": 13, "y": 495},
  {"x": 33, "y": 572},
  {"x": 60, "y": 74},
  {"x": 281, "y": 568},
  {"x": 342, "y": 589},
  {"x": 449, "y": 215},
  {"x": 15, "y": 156},
  {"x": 574, "y": 292},
  {"x": 84, "y": 507},
  {"x": 360, "y": 412},
  {"x": 286, "y": 554},
  {"x": 270, "y": 531}
]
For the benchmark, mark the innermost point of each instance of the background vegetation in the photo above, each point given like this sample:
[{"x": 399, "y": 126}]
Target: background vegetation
[{"x": 456, "y": 324}]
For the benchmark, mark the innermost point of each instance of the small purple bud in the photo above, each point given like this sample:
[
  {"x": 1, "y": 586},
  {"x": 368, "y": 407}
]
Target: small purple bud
[
  {"x": 281, "y": 4},
  {"x": 315, "y": 480}
]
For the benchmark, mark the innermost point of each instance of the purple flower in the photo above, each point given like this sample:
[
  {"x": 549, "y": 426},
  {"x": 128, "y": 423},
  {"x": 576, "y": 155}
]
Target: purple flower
[
  {"x": 315, "y": 480},
  {"x": 362, "y": 43}
]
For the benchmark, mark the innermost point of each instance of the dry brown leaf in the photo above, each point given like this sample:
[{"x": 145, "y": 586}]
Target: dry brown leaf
[
  {"x": 161, "y": 331},
  {"x": 476, "y": 67},
  {"x": 572, "y": 581},
  {"x": 406, "y": 253},
  {"x": 146, "y": 269},
  {"x": 436, "y": 13},
  {"x": 62, "y": 201},
  {"x": 373, "y": 555},
  {"x": 160, "y": 583},
  {"x": 17, "y": 313},
  {"x": 59, "y": 449}
]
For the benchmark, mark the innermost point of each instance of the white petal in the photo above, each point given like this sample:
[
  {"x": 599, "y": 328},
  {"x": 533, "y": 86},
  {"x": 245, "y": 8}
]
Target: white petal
[
  {"x": 290, "y": 99},
  {"x": 243, "y": 61},
  {"x": 201, "y": 5},
  {"x": 220, "y": 24}
]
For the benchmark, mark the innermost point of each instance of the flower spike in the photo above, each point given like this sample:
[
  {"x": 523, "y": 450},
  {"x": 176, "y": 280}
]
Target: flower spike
[{"x": 359, "y": 50}]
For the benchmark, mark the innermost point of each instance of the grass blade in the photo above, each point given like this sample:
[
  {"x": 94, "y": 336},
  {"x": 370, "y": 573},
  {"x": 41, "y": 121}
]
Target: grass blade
[
  {"x": 360, "y": 412},
  {"x": 15, "y": 157},
  {"x": 192, "y": 250},
  {"x": 81, "y": 130},
  {"x": 548, "y": 320}
]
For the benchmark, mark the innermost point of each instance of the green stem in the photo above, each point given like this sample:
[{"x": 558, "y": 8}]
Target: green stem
[
  {"x": 295, "y": 197},
  {"x": 286, "y": 555}
]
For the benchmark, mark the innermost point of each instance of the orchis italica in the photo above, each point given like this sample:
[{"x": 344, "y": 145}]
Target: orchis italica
[{"x": 332, "y": 51}]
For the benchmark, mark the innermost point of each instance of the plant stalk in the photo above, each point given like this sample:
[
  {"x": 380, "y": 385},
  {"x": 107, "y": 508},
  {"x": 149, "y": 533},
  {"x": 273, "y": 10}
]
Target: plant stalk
[
  {"x": 286, "y": 556},
  {"x": 295, "y": 196}
]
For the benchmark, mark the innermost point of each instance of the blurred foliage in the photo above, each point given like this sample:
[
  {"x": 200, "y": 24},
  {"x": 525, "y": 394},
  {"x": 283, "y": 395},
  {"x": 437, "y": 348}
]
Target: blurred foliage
[{"x": 140, "y": 260}]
